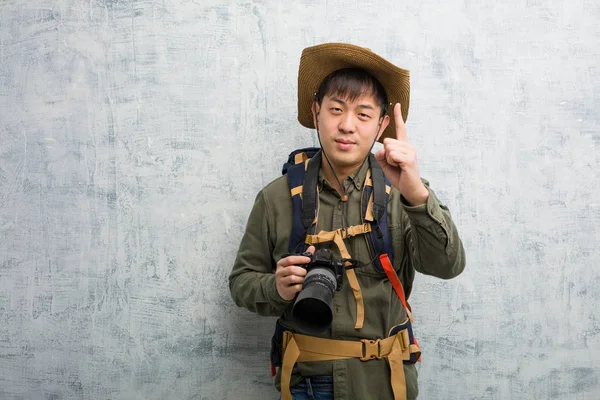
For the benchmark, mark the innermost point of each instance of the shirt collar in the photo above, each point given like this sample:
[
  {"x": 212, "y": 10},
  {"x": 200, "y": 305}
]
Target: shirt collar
[{"x": 357, "y": 178}]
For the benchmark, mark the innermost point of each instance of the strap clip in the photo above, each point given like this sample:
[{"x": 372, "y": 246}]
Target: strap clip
[{"x": 371, "y": 349}]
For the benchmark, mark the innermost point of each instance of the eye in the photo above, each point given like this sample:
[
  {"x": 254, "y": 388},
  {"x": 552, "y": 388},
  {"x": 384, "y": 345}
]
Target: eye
[
  {"x": 364, "y": 116},
  {"x": 336, "y": 110}
]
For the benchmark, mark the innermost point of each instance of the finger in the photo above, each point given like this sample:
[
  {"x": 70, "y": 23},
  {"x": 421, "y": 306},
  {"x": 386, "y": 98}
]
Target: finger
[
  {"x": 311, "y": 250},
  {"x": 293, "y": 270},
  {"x": 381, "y": 158},
  {"x": 294, "y": 260},
  {"x": 289, "y": 292},
  {"x": 296, "y": 288},
  {"x": 390, "y": 160},
  {"x": 399, "y": 121},
  {"x": 292, "y": 280},
  {"x": 390, "y": 144},
  {"x": 380, "y": 154},
  {"x": 397, "y": 158}
]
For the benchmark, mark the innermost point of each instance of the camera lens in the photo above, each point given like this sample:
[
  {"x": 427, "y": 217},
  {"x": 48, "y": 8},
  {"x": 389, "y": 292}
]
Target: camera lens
[{"x": 313, "y": 309}]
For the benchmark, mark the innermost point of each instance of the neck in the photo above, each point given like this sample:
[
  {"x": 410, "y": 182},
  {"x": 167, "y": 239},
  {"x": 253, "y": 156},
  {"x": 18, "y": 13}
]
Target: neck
[{"x": 340, "y": 172}]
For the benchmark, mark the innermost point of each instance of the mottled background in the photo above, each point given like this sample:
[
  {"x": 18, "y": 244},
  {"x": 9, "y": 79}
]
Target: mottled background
[{"x": 134, "y": 136}]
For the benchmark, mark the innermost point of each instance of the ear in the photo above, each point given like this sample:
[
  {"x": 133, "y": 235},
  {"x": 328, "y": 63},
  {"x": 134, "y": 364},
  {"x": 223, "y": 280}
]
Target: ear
[
  {"x": 315, "y": 111},
  {"x": 384, "y": 123}
]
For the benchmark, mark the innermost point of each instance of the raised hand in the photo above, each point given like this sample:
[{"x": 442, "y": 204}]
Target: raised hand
[{"x": 398, "y": 159}]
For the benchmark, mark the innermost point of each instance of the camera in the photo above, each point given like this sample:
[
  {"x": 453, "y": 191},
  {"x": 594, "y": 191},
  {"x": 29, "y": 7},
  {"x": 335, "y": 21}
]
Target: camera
[{"x": 313, "y": 308}]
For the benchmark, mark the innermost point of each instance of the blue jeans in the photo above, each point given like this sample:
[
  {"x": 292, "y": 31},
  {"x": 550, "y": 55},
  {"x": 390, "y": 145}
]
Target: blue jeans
[{"x": 313, "y": 388}]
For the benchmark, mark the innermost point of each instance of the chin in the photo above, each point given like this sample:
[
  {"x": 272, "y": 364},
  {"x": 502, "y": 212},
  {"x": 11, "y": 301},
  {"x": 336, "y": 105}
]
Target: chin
[{"x": 346, "y": 161}]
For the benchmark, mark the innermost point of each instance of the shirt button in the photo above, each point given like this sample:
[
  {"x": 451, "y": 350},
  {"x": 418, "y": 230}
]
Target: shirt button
[{"x": 339, "y": 206}]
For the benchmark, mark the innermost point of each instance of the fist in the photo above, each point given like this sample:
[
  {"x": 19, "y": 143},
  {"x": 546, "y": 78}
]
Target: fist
[{"x": 289, "y": 277}]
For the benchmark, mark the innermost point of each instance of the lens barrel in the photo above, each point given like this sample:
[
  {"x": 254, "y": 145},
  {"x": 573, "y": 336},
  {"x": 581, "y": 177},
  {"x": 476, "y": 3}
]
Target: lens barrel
[{"x": 313, "y": 309}]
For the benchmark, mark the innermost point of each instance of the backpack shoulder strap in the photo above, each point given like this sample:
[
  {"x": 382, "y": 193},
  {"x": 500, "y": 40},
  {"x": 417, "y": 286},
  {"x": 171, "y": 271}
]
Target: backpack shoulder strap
[
  {"x": 374, "y": 208},
  {"x": 299, "y": 156},
  {"x": 309, "y": 191},
  {"x": 302, "y": 179}
]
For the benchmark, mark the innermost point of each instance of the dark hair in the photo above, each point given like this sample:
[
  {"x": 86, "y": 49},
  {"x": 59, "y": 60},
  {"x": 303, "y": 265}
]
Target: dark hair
[{"x": 351, "y": 83}]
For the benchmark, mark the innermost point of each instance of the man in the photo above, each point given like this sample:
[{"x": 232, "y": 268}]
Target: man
[{"x": 367, "y": 351}]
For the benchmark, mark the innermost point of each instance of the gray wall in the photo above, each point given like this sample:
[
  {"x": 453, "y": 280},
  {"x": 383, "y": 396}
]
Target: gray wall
[{"x": 134, "y": 136}]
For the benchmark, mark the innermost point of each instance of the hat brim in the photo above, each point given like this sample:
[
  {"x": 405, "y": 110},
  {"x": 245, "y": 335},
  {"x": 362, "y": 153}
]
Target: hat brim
[{"x": 317, "y": 62}]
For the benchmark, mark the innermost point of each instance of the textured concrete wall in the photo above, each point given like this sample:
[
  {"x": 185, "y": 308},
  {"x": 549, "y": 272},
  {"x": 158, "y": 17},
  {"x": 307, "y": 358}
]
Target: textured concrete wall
[{"x": 134, "y": 136}]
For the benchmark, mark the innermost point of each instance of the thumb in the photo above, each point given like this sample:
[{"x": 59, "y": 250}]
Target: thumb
[
  {"x": 380, "y": 158},
  {"x": 311, "y": 250}
]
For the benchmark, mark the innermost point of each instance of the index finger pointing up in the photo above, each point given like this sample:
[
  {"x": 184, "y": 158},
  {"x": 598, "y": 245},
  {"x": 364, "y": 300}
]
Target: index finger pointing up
[{"x": 400, "y": 125}]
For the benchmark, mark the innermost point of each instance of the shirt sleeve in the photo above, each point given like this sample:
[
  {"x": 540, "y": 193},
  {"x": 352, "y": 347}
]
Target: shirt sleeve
[
  {"x": 252, "y": 281},
  {"x": 432, "y": 238}
]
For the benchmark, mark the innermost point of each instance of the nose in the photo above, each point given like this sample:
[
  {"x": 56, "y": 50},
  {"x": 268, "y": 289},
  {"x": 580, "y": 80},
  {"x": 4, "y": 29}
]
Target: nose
[{"x": 347, "y": 123}]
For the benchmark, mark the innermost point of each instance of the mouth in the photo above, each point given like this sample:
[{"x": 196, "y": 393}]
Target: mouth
[
  {"x": 344, "y": 144},
  {"x": 344, "y": 141}
]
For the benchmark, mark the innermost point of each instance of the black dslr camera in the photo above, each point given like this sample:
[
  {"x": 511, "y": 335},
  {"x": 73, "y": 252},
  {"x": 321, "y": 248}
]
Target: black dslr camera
[{"x": 313, "y": 308}]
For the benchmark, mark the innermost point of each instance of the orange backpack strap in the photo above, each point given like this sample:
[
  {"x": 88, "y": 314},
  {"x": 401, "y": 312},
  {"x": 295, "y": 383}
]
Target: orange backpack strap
[
  {"x": 394, "y": 280},
  {"x": 397, "y": 285}
]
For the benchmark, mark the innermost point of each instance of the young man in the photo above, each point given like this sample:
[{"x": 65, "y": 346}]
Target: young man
[{"x": 367, "y": 351}]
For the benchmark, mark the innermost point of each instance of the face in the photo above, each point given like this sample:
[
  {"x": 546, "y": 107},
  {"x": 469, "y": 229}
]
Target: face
[{"x": 348, "y": 129}]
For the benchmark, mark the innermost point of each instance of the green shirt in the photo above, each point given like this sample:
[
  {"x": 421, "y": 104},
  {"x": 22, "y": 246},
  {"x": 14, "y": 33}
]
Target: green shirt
[{"x": 424, "y": 239}]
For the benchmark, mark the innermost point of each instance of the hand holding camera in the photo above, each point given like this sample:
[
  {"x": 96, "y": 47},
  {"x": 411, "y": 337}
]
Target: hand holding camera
[
  {"x": 316, "y": 276},
  {"x": 290, "y": 274}
]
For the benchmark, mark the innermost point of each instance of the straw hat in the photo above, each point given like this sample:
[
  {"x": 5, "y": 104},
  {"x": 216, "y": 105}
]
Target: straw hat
[{"x": 317, "y": 62}]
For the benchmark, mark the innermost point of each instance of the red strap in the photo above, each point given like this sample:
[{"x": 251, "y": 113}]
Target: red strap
[
  {"x": 273, "y": 371},
  {"x": 391, "y": 274},
  {"x": 395, "y": 281}
]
